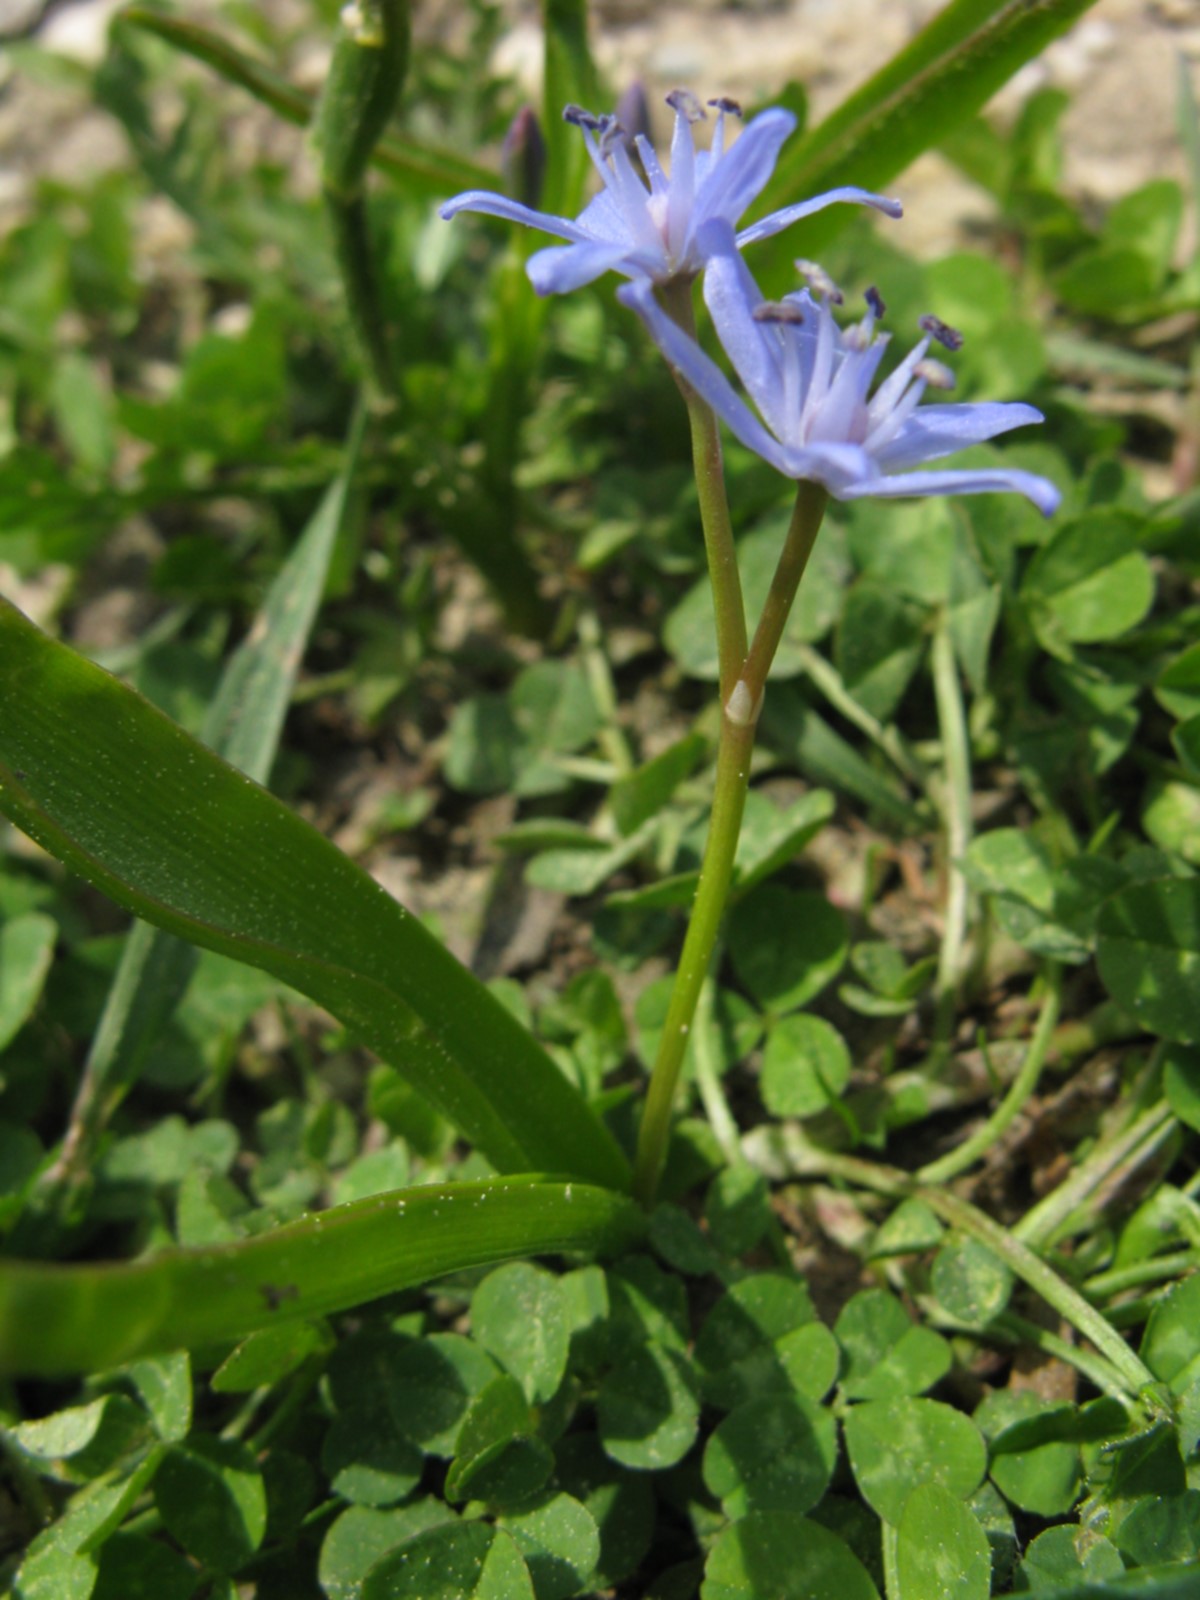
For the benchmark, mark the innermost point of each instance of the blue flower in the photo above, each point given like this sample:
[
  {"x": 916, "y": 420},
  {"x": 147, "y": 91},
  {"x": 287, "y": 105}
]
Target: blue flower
[
  {"x": 811, "y": 382},
  {"x": 652, "y": 233}
]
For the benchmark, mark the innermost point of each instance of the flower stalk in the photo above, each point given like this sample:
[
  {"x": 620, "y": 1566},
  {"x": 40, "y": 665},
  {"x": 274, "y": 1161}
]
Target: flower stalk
[
  {"x": 743, "y": 683},
  {"x": 956, "y": 812}
]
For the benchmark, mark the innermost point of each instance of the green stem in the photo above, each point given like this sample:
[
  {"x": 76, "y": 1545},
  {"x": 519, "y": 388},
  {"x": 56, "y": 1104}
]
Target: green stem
[
  {"x": 1068, "y": 1302},
  {"x": 304, "y": 1381},
  {"x": 1019, "y": 1092},
  {"x": 788, "y": 1151},
  {"x": 1083, "y": 1036},
  {"x": 742, "y": 684},
  {"x": 1116, "y": 1280},
  {"x": 825, "y": 677},
  {"x": 1044, "y": 1221},
  {"x": 360, "y": 285},
  {"x": 802, "y": 533},
  {"x": 708, "y": 1078},
  {"x": 716, "y": 875},
  {"x": 714, "y": 507},
  {"x": 956, "y": 812},
  {"x": 1094, "y": 1368},
  {"x": 611, "y": 737}
]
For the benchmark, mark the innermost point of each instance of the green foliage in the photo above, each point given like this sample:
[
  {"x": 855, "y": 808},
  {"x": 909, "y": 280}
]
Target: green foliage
[{"x": 314, "y": 1359}]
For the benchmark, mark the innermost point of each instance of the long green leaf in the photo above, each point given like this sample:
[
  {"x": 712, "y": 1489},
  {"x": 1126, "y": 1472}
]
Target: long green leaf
[
  {"x": 569, "y": 78},
  {"x": 953, "y": 66},
  {"x": 58, "y": 1319},
  {"x": 243, "y": 725},
  {"x": 246, "y": 717},
  {"x": 424, "y": 169},
  {"x": 113, "y": 788}
]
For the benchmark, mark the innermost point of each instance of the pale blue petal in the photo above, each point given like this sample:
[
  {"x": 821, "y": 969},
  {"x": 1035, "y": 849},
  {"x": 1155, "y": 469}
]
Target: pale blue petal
[
  {"x": 703, "y": 374},
  {"x": 681, "y": 192},
  {"x": 840, "y": 467},
  {"x": 934, "y": 431},
  {"x": 742, "y": 172},
  {"x": 987, "y": 480},
  {"x": 603, "y": 219},
  {"x": 491, "y": 204},
  {"x": 731, "y": 295},
  {"x": 778, "y": 220},
  {"x": 560, "y": 269}
]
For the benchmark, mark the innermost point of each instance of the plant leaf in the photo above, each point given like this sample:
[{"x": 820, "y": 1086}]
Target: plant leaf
[
  {"x": 77, "y": 1318},
  {"x": 243, "y": 724},
  {"x": 117, "y": 791},
  {"x": 952, "y": 67},
  {"x": 425, "y": 170}
]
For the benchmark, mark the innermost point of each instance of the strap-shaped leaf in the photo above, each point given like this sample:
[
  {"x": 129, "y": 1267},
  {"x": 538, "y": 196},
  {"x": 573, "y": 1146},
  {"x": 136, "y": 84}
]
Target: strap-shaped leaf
[
  {"x": 114, "y": 789},
  {"x": 569, "y": 78},
  {"x": 243, "y": 724},
  {"x": 59, "y": 1319},
  {"x": 945, "y": 75}
]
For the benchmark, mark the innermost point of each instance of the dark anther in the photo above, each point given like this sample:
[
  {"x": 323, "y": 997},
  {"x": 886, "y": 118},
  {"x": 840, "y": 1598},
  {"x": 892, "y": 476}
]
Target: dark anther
[
  {"x": 685, "y": 102},
  {"x": 611, "y": 133},
  {"x": 777, "y": 311},
  {"x": 724, "y": 103},
  {"x": 582, "y": 119},
  {"x": 941, "y": 331},
  {"x": 875, "y": 300}
]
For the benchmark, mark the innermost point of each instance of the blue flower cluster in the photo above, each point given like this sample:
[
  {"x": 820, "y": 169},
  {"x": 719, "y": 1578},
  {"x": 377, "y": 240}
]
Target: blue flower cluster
[{"x": 809, "y": 378}]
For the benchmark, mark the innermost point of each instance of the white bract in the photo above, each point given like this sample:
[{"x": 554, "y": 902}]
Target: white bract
[
  {"x": 654, "y": 233},
  {"x": 811, "y": 382}
]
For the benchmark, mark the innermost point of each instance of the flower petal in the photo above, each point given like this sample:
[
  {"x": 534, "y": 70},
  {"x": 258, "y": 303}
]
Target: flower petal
[
  {"x": 987, "y": 480},
  {"x": 934, "y": 431},
  {"x": 778, "y": 220},
  {"x": 840, "y": 467},
  {"x": 559, "y": 269},
  {"x": 603, "y": 220},
  {"x": 731, "y": 295},
  {"x": 742, "y": 172},
  {"x": 702, "y": 373},
  {"x": 681, "y": 192},
  {"x": 491, "y": 204}
]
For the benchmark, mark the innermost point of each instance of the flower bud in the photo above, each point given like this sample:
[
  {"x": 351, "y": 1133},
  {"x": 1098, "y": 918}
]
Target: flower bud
[
  {"x": 368, "y": 66},
  {"x": 523, "y": 158},
  {"x": 633, "y": 112}
]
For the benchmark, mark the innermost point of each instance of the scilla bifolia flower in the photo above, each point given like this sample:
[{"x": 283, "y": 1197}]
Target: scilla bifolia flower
[
  {"x": 811, "y": 382},
  {"x": 653, "y": 233}
]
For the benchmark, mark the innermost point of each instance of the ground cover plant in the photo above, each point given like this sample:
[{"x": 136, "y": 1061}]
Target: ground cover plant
[{"x": 797, "y": 1196}]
